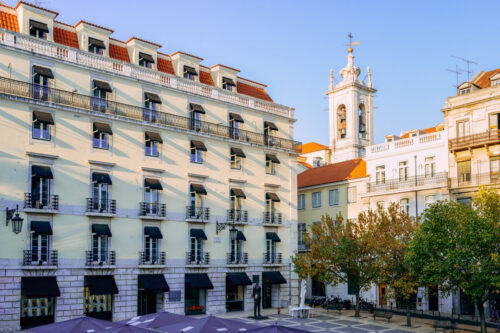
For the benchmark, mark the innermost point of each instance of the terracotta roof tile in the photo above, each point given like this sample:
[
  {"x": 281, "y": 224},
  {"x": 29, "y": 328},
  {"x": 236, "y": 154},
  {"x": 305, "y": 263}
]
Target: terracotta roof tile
[
  {"x": 165, "y": 65},
  {"x": 9, "y": 21},
  {"x": 65, "y": 37},
  {"x": 246, "y": 89},
  {"x": 118, "y": 52},
  {"x": 331, "y": 173},
  {"x": 206, "y": 78},
  {"x": 38, "y": 7},
  {"x": 312, "y": 147},
  {"x": 484, "y": 80},
  {"x": 437, "y": 128}
]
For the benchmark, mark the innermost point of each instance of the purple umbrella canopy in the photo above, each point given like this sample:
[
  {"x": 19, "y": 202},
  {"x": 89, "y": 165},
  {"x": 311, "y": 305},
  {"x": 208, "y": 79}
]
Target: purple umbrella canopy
[
  {"x": 124, "y": 329},
  {"x": 156, "y": 320},
  {"x": 81, "y": 324},
  {"x": 208, "y": 324},
  {"x": 277, "y": 329}
]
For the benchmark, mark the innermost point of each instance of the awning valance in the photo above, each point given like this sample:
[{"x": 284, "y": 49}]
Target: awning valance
[
  {"x": 152, "y": 97},
  {"x": 236, "y": 117},
  {"x": 272, "y": 158},
  {"x": 43, "y": 71},
  {"x": 102, "y": 127},
  {"x": 41, "y": 228},
  {"x": 196, "y": 108},
  {"x": 238, "y": 192},
  {"x": 228, "y": 81},
  {"x": 101, "y": 230},
  {"x": 272, "y": 126},
  {"x": 273, "y": 277},
  {"x": 238, "y": 152},
  {"x": 198, "y": 145},
  {"x": 153, "y": 136},
  {"x": 273, "y": 236},
  {"x": 96, "y": 42},
  {"x": 147, "y": 57},
  {"x": 153, "y": 232},
  {"x": 240, "y": 236},
  {"x": 238, "y": 279},
  {"x": 273, "y": 196},
  {"x": 102, "y": 86},
  {"x": 39, "y": 286},
  {"x": 153, "y": 183},
  {"x": 39, "y": 171},
  {"x": 198, "y": 281},
  {"x": 39, "y": 25},
  {"x": 43, "y": 117},
  {"x": 199, "y": 189},
  {"x": 190, "y": 70},
  {"x": 198, "y": 234},
  {"x": 101, "y": 178},
  {"x": 101, "y": 284},
  {"x": 154, "y": 283}
]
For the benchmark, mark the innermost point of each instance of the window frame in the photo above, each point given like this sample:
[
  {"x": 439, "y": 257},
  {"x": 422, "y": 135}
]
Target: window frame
[
  {"x": 352, "y": 190},
  {"x": 331, "y": 196},
  {"x": 403, "y": 170},
  {"x": 102, "y": 139},
  {"x": 301, "y": 201},
  {"x": 380, "y": 174},
  {"x": 316, "y": 198},
  {"x": 196, "y": 155},
  {"x": 430, "y": 166},
  {"x": 47, "y": 129},
  {"x": 270, "y": 167},
  {"x": 236, "y": 162},
  {"x": 404, "y": 204}
]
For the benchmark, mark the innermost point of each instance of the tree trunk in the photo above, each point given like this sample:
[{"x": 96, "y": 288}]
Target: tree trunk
[
  {"x": 408, "y": 313},
  {"x": 357, "y": 304},
  {"x": 482, "y": 319}
]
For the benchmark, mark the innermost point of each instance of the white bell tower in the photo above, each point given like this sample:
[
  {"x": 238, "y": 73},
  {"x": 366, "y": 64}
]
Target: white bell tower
[{"x": 350, "y": 106}]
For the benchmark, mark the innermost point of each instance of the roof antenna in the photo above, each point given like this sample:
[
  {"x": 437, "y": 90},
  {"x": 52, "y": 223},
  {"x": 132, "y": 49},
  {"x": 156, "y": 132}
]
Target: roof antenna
[
  {"x": 469, "y": 72},
  {"x": 457, "y": 72}
]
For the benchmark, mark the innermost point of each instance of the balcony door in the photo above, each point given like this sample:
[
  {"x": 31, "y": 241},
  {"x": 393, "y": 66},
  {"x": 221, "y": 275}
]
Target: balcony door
[
  {"x": 196, "y": 251},
  {"x": 151, "y": 198},
  {"x": 39, "y": 248},
  {"x": 270, "y": 250},
  {"x": 463, "y": 128},
  {"x": 151, "y": 249},
  {"x": 99, "y": 248},
  {"x": 236, "y": 246},
  {"x": 100, "y": 192},
  {"x": 40, "y": 191}
]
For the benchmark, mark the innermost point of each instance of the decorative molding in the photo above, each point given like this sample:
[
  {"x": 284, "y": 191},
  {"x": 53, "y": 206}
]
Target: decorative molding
[
  {"x": 196, "y": 175},
  {"x": 276, "y": 186},
  {"x": 39, "y": 155},
  {"x": 108, "y": 164},
  {"x": 152, "y": 170},
  {"x": 238, "y": 181}
]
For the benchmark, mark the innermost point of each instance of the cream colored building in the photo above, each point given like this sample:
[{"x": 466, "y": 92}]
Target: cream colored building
[{"x": 145, "y": 181}]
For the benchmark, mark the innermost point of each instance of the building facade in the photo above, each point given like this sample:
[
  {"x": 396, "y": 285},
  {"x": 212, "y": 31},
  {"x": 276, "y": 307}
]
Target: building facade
[{"x": 145, "y": 181}]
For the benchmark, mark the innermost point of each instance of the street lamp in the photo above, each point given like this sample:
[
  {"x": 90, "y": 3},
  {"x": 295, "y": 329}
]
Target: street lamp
[
  {"x": 233, "y": 232},
  {"x": 17, "y": 221}
]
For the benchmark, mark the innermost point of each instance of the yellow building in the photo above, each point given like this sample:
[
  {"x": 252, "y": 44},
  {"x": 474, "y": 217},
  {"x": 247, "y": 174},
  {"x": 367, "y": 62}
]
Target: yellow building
[{"x": 145, "y": 181}]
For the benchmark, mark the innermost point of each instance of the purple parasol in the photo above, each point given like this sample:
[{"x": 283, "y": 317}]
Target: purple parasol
[
  {"x": 208, "y": 324},
  {"x": 78, "y": 325},
  {"x": 276, "y": 329},
  {"x": 156, "y": 320}
]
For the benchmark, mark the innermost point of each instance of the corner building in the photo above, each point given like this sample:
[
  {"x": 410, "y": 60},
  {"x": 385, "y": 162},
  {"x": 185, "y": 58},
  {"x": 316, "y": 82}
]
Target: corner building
[{"x": 144, "y": 181}]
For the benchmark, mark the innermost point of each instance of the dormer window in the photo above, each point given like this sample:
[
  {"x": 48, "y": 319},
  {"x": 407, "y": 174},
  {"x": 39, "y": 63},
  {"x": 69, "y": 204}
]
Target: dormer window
[
  {"x": 96, "y": 46},
  {"x": 38, "y": 29},
  {"x": 495, "y": 82},
  {"x": 146, "y": 60},
  {"x": 228, "y": 84},
  {"x": 190, "y": 73},
  {"x": 464, "y": 91}
]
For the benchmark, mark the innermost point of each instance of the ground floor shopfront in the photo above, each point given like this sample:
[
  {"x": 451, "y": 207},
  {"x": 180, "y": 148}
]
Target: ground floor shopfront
[{"x": 37, "y": 297}]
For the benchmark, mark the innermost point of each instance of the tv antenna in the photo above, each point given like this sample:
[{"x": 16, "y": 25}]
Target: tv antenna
[
  {"x": 468, "y": 62},
  {"x": 457, "y": 72}
]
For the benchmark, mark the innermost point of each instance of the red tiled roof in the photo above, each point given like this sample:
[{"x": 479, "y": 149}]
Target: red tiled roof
[
  {"x": 437, "y": 128},
  {"x": 9, "y": 21},
  {"x": 118, "y": 52},
  {"x": 94, "y": 25},
  {"x": 165, "y": 65},
  {"x": 206, "y": 78},
  {"x": 331, "y": 173},
  {"x": 65, "y": 37},
  {"x": 312, "y": 147},
  {"x": 484, "y": 80},
  {"x": 249, "y": 90}
]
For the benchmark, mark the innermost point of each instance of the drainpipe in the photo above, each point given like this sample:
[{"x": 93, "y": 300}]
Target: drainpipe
[
  {"x": 416, "y": 183},
  {"x": 289, "y": 284}
]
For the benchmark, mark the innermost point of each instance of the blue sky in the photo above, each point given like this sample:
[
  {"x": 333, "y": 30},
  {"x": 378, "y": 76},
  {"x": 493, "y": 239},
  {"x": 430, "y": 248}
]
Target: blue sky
[{"x": 291, "y": 45}]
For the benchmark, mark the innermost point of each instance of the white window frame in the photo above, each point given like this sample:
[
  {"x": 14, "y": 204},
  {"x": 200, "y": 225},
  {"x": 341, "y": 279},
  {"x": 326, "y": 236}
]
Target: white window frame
[
  {"x": 333, "y": 197},
  {"x": 316, "y": 199},
  {"x": 352, "y": 194},
  {"x": 301, "y": 201},
  {"x": 380, "y": 174}
]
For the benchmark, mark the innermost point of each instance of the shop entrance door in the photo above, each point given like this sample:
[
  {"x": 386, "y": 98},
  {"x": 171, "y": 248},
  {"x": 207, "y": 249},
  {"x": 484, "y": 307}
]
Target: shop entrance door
[
  {"x": 382, "y": 294},
  {"x": 146, "y": 303},
  {"x": 267, "y": 295}
]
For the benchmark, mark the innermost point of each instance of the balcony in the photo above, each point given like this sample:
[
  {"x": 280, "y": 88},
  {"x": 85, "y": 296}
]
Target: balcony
[
  {"x": 152, "y": 210},
  {"x": 237, "y": 259},
  {"x": 475, "y": 180},
  {"x": 474, "y": 140},
  {"x": 403, "y": 145},
  {"x": 197, "y": 214},
  {"x": 106, "y": 259},
  {"x": 391, "y": 185},
  {"x": 237, "y": 216},
  {"x": 198, "y": 259},
  {"x": 272, "y": 219},
  {"x": 101, "y": 106},
  {"x": 148, "y": 261},
  {"x": 100, "y": 207},
  {"x": 272, "y": 259},
  {"x": 32, "y": 260},
  {"x": 47, "y": 204}
]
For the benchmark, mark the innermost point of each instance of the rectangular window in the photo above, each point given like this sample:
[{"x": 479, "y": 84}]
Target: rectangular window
[
  {"x": 301, "y": 228},
  {"x": 146, "y": 60},
  {"x": 41, "y": 185},
  {"x": 151, "y": 249},
  {"x": 101, "y": 135},
  {"x": 39, "y": 248},
  {"x": 429, "y": 200},
  {"x": 41, "y": 82},
  {"x": 271, "y": 164},
  {"x": 96, "y": 303},
  {"x": 42, "y": 123},
  {"x": 96, "y": 46},
  {"x": 464, "y": 171},
  {"x": 196, "y": 155},
  {"x": 100, "y": 196},
  {"x": 301, "y": 201},
  {"x": 494, "y": 169},
  {"x": 403, "y": 170},
  {"x": 316, "y": 199},
  {"x": 463, "y": 128},
  {"x": 150, "y": 110},
  {"x": 100, "y": 94},
  {"x": 380, "y": 174},
  {"x": 228, "y": 84},
  {"x": 430, "y": 166},
  {"x": 100, "y": 248},
  {"x": 352, "y": 194},
  {"x": 494, "y": 119},
  {"x": 152, "y": 144},
  {"x": 37, "y": 307},
  {"x": 333, "y": 197},
  {"x": 196, "y": 251},
  {"x": 467, "y": 201},
  {"x": 38, "y": 29},
  {"x": 190, "y": 73},
  {"x": 404, "y": 205},
  {"x": 236, "y": 161}
]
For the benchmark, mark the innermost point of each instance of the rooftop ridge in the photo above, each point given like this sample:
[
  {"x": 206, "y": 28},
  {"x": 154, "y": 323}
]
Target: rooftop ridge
[
  {"x": 143, "y": 40},
  {"x": 185, "y": 53},
  {"x": 260, "y": 85},
  {"x": 37, "y": 7},
  {"x": 94, "y": 25}
]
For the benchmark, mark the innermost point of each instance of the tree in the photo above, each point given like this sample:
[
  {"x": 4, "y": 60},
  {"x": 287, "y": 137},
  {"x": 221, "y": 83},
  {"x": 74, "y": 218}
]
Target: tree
[
  {"x": 458, "y": 248},
  {"x": 393, "y": 231},
  {"x": 340, "y": 252}
]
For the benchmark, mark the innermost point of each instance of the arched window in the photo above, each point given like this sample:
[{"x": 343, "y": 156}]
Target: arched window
[
  {"x": 342, "y": 121},
  {"x": 362, "y": 121}
]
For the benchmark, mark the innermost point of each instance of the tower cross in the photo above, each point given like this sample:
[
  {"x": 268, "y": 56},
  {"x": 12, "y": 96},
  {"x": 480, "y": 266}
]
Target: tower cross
[{"x": 351, "y": 43}]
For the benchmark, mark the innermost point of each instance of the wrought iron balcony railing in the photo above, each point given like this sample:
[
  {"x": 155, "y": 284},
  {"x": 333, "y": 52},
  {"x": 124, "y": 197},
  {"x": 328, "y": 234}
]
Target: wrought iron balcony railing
[
  {"x": 237, "y": 258},
  {"x": 237, "y": 216},
  {"x": 100, "y": 258},
  {"x": 475, "y": 140},
  {"x": 272, "y": 218},
  {"x": 199, "y": 214},
  {"x": 46, "y": 202},
  {"x": 101, "y": 206},
  {"x": 475, "y": 179},
  {"x": 272, "y": 258},
  {"x": 147, "y": 258},
  {"x": 302, "y": 247},
  {"x": 197, "y": 258},
  {"x": 153, "y": 209},
  {"x": 39, "y": 259},
  {"x": 103, "y": 106},
  {"x": 439, "y": 178}
]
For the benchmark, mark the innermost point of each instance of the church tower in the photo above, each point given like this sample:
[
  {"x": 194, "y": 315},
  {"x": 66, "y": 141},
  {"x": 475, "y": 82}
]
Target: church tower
[{"x": 350, "y": 105}]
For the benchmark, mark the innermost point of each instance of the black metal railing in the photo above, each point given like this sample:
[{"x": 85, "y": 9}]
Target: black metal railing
[
  {"x": 148, "y": 258},
  {"x": 272, "y": 218},
  {"x": 35, "y": 258},
  {"x": 153, "y": 209},
  {"x": 101, "y": 206},
  {"x": 237, "y": 216},
  {"x": 237, "y": 258},
  {"x": 100, "y": 258},
  {"x": 198, "y": 213},
  {"x": 197, "y": 258},
  {"x": 475, "y": 179},
  {"x": 272, "y": 258},
  {"x": 50, "y": 202},
  {"x": 439, "y": 178},
  {"x": 98, "y": 105}
]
